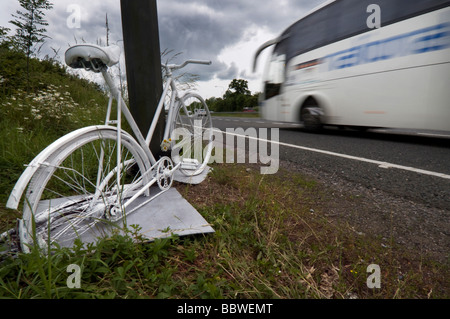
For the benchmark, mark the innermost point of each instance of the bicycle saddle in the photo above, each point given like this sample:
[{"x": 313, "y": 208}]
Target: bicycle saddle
[{"x": 91, "y": 56}]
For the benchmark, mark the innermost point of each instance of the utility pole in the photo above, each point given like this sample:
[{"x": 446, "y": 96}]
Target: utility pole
[{"x": 143, "y": 65}]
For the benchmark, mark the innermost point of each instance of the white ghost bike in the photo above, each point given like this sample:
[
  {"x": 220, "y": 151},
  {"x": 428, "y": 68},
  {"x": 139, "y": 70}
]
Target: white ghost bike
[{"x": 96, "y": 173}]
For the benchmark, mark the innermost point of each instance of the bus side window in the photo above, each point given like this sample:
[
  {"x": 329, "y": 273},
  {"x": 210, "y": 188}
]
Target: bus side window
[{"x": 275, "y": 76}]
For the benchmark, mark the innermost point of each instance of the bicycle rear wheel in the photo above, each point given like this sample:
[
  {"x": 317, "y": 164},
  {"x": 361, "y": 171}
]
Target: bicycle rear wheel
[
  {"x": 192, "y": 135},
  {"x": 81, "y": 184}
]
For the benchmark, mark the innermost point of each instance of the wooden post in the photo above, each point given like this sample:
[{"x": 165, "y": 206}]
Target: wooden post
[{"x": 143, "y": 65}]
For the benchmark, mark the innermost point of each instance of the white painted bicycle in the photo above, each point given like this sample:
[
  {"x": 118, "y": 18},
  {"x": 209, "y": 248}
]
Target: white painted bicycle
[{"x": 96, "y": 173}]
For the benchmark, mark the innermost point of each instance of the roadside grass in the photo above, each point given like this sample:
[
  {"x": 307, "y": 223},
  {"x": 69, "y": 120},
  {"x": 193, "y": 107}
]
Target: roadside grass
[
  {"x": 31, "y": 121},
  {"x": 272, "y": 240},
  {"x": 56, "y": 104},
  {"x": 276, "y": 242}
]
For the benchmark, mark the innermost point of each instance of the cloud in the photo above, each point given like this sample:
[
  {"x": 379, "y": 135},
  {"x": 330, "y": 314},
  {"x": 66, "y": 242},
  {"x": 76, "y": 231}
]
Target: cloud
[
  {"x": 204, "y": 29},
  {"x": 92, "y": 16},
  {"x": 225, "y": 32},
  {"x": 230, "y": 73}
]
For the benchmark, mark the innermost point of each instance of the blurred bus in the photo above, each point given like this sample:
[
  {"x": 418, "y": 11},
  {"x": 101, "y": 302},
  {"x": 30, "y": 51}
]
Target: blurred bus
[{"x": 335, "y": 66}]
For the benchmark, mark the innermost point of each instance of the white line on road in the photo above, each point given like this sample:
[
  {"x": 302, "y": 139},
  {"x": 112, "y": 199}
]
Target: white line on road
[
  {"x": 380, "y": 164},
  {"x": 433, "y": 135}
]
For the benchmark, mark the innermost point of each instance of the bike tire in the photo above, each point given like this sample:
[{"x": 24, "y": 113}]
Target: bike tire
[
  {"x": 78, "y": 184},
  {"x": 192, "y": 135}
]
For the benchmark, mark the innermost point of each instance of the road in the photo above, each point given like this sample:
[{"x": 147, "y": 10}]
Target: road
[{"x": 410, "y": 165}]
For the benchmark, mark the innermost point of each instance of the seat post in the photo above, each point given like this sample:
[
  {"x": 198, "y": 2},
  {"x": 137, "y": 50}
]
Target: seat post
[{"x": 110, "y": 83}]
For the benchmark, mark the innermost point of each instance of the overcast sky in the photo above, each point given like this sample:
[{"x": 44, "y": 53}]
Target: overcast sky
[{"x": 227, "y": 32}]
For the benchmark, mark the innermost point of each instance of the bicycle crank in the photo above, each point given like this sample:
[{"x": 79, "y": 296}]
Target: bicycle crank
[{"x": 164, "y": 173}]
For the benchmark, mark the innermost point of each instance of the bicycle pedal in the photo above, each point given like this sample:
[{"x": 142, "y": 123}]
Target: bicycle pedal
[{"x": 189, "y": 163}]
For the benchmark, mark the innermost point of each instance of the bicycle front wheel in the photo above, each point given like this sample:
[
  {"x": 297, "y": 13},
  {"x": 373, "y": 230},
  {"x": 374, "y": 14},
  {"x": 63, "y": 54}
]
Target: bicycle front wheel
[
  {"x": 88, "y": 179},
  {"x": 192, "y": 134}
]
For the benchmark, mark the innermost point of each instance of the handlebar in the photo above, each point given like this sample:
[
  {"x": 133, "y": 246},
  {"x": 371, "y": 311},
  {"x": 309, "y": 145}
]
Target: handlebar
[{"x": 180, "y": 66}]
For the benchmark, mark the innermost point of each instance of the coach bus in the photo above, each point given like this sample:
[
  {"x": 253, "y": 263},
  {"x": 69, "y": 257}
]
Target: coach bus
[{"x": 362, "y": 64}]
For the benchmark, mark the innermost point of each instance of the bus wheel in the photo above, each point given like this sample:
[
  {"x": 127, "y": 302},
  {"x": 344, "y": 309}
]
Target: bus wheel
[{"x": 310, "y": 116}]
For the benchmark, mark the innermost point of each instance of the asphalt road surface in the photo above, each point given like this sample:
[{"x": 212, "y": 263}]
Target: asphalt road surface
[{"x": 408, "y": 164}]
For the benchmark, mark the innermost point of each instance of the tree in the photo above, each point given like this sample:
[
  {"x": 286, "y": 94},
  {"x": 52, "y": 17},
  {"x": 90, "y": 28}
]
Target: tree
[
  {"x": 30, "y": 25},
  {"x": 237, "y": 97},
  {"x": 3, "y": 34},
  {"x": 239, "y": 86}
]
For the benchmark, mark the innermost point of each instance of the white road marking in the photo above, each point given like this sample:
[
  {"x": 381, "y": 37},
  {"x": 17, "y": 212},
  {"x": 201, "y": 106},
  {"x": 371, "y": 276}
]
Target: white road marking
[
  {"x": 433, "y": 135},
  {"x": 380, "y": 164}
]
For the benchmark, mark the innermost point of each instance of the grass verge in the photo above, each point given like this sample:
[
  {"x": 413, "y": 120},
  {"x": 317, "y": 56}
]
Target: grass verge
[{"x": 272, "y": 240}]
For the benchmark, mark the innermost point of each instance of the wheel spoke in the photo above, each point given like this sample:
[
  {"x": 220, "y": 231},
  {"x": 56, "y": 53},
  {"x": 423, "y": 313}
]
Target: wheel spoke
[{"x": 78, "y": 183}]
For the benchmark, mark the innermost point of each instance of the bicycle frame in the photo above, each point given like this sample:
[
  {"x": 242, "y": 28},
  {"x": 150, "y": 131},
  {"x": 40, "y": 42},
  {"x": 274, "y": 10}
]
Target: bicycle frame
[
  {"x": 170, "y": 84},
  {"x": 144, "y": 142},
  {"x": 122, "y": 108},
  {"x": 41, "y": 158},
  {"x": 120, "y": 196}
]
